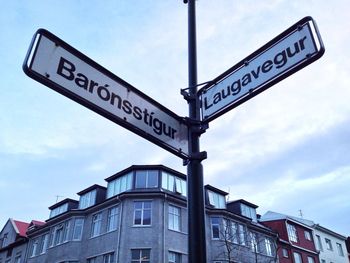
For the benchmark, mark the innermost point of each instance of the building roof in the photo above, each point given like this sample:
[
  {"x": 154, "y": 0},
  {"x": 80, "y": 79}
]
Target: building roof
[
  {"x": 244, "y": 202},
  {"x": 273, "y": 216},
  {"x": 145, "y": 167},
  {"x": 20, "y": 227},
  {"x": 90, "y": 188},
  {"x": 67, "y": 200}
]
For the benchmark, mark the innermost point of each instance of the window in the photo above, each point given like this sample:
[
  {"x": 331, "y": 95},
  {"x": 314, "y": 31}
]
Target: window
[
  {"x": 268, "y": 247},
  {"x": 285, "y": 253},
  {"x": 340, "y": 250},
  {"x": 215, "y": 227},
  {"x": 233, "y": 232},
  {"x": 58, "y": 234},
  {"x": 146, "y": 179},
  {"x": 319, "y": 243},
  {"x": 142, "y": 213},
  {"x": 78, "y": 228},
  {"x": 329, "y": 244},
  {"x": 17, "y": 259},
  {"x": 34, "y": 248},
  {"x": 140, "y": 255},
  {"x": 96, "y": 225},
  {"x": 108, "y": 258},
  {"x": 310, "y": 259},
  {"x": 297, "y": 257},
  {"x": 87, "y": 200},
  {"x": 254, "y": 242},
  {"x": 112, "y": 218},
  {"x": 59, "y": 210},
  {"x": 292, "y": 233},
  {"x": 248, "y": 212},
  {"x": 174, "y": 184},
  {"x": 91, "y": 260},
  {"x": 174, "y": 257},
  {"x": 66, "y": 231},
  {"x": 307, "y": 235},
  {"x": 216, "y": 200},
  {"x": 119, "y": 185},
  {"x": 44, "y": 243},
  {"x": 241, "y": 234},
  {"x": 174, "y": 218}
]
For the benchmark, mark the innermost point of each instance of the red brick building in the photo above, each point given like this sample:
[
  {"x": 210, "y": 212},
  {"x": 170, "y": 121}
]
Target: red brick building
[{"x": 295, "y": 242}]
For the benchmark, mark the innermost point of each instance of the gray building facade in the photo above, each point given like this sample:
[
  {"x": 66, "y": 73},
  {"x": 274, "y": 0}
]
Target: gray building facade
[{"x": 141, "y": 216}]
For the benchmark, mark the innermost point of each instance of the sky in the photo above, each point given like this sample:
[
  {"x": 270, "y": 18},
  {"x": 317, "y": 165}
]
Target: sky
[{"x": 286, "y": 150}]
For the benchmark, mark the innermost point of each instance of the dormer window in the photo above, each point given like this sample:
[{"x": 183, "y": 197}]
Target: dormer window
[
  {"x": 174, "y": 184},
  {"x": 59, "y": 210},
  {"x": 88, "y": 199},
  {"x": 216, "y": 200},
  {"x": 119, "y": 185},
  {"x": 248, "y": 211},
  {"x": 146, "y": 179}
]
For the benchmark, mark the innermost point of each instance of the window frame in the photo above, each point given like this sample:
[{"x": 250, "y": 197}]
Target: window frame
[
  {"x": 143, "y": 209},
  {"x": 292, "y": 233},
  {"x": 88, "y": 199},
  {"x": 112, "y": 218},
  {"x": 78, "y": 227},
  {"x": 340, "y": 249},
  {"x": 175, "y": 257},
  {"x": 147, "y": 174},
  {"x": 96, "y": 223},
  {"x": 174, "y": 218},
  {"x": 141, "y": 255},
  {"x": 329, "y": 245}
]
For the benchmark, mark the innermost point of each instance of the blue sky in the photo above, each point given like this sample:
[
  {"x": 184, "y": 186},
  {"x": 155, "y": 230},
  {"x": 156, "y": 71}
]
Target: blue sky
[{"x": 286, "y": 150}]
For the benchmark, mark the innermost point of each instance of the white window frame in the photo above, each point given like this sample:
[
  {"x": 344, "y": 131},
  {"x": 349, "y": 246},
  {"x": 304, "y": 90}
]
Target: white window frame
[
  {"x": 216, "y": 200},
  {"x": 108, "y": 258},
  {"x": 174, "y": 218},
  {"x": 96, "y": 223},
  {"x": 112, "y": 221},
  {"x": 340, "y": 249},
  {"x": 329, "y": 245},
  {"x": 78, "y": 229},
  {"x": 141, "y": 258},
  {"x": 307, "y": 235},
  {"x": 143, "y": 209},
  {"x": 88, "y": 199},
  {"x": 297, "y": 257},
  {"x": 292, "y": 233},
  {"x": 174, "y": 257}
]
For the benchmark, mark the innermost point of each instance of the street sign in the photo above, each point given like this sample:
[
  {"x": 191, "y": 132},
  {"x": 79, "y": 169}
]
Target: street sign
[
  {"x": 54, "y": 63},
  {"x": 287, "y": 53}
]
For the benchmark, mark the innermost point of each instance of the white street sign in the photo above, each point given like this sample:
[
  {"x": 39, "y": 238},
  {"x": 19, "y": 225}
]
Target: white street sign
[
  {"x": 292, "y": 50},
  {"x": 59, "y": 66}
]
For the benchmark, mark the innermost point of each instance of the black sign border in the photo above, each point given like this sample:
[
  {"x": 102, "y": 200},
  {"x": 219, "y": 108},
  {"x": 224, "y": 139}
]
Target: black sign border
[
  {"x": 62, "y": 90},
  {"x": 268, "y": 84}
]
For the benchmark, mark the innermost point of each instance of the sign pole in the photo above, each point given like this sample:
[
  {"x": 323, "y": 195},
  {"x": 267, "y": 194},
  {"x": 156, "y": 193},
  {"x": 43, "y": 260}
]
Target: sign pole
[{"x": 196, "y": 209}]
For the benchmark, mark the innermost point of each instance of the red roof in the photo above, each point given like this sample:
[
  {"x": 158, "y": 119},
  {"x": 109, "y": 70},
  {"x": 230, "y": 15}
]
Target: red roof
[{"x": 21, "y": 227}]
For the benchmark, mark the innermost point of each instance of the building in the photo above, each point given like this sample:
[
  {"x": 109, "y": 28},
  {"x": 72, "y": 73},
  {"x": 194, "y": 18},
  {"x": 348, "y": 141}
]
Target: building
[
  {"x": 141, "y": 216},
  {"x": 296, "y": 241},
  {"x": 348, "y": 247},
  {"x": 330, "y": 245},
  {"x": 14, "y": 240}
]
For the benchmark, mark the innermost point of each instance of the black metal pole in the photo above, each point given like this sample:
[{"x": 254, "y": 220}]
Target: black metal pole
[{"x": 196, "y": 212}]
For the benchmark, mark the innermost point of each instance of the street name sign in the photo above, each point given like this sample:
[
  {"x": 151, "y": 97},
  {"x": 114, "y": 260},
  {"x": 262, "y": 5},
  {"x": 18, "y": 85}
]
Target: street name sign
[
  {"x": 56, "y": 64},
  {"x": 295, "y": 48}
]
